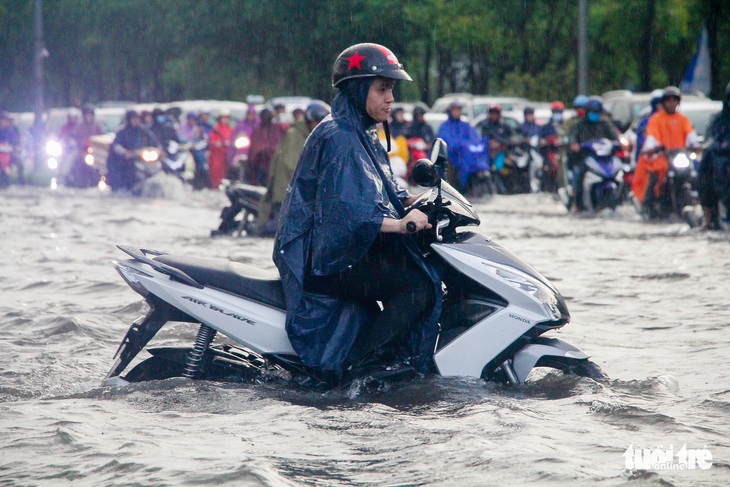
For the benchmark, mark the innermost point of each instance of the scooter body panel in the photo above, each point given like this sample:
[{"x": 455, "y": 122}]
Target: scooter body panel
[
  {"x": 255, "y": 325},
  {"x": 531, "y": 300}
]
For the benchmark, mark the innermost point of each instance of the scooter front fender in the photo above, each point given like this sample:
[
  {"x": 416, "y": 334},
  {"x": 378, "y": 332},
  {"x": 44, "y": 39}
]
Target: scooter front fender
[{"x": 526, "y": 357}]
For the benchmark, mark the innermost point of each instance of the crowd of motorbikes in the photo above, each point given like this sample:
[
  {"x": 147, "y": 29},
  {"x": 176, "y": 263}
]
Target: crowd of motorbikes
[{"x": 530, "y": 166}]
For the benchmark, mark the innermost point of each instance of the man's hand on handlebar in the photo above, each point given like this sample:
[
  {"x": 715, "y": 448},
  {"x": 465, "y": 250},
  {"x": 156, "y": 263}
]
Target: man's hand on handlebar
[{"x": 414, "y": 221}]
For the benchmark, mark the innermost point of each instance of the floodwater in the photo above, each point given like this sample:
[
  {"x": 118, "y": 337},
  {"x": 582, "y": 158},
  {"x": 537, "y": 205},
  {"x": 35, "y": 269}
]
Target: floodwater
[{"x": 648, "y": 302}]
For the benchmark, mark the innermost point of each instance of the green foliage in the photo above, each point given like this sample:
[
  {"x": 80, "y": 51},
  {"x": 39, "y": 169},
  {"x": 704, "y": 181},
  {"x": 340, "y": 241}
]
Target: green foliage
[{"x": 159, "y": 50}]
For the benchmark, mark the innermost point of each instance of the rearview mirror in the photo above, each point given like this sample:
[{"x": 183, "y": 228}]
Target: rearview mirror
[
  {"x": 425, "y": 174},
  {"x": 439, "y": 152}
]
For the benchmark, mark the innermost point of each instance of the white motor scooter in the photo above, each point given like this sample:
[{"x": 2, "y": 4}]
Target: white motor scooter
[{"x": 496, "y": 308}]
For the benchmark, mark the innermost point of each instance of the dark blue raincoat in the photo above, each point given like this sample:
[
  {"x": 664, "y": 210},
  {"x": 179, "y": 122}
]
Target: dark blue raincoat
[
  {"x": 468, "y": 152},
  {"x": 330, "y": 217}
]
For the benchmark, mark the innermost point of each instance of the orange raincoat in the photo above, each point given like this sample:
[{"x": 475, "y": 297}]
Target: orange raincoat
[{"x": 670, "y": 131}]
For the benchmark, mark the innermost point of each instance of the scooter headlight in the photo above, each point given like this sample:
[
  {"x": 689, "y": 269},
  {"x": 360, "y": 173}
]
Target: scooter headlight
[
  {"x": 530, "y": 285},
  {"x": 150, "y": 155},
  {"x": 89, "y": 159},
  {"x": 242, "y": 142},
  {"x": 681, "y": 161},
  {"x": 54, "y": 148}
]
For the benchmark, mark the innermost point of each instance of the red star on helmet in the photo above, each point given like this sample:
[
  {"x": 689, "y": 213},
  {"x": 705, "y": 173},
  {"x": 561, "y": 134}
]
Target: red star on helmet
[{"x": 355, "y": 60}]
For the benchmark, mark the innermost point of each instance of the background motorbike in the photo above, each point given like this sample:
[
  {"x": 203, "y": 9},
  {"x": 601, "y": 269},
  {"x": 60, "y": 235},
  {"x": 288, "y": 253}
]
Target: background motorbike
[
  {"x": 82, "y": 171},
  {"x": 522, "y": 161},
  {"x": 471, "y": 170},
  {"x": 417, "y": 150},
  {"x": 604, "y": 176},
  {"x": 242, "y": 214},
  {"x": 680, "y": 188},
  {"x": 552, "y": 151}
]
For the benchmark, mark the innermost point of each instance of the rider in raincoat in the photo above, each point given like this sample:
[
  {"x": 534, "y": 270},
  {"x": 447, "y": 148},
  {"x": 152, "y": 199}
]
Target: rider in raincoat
[{"x": 341, "y": 246}]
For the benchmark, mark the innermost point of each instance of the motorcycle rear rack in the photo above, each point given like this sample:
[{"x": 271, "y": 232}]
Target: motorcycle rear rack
[{"x": 176, "y": 274}]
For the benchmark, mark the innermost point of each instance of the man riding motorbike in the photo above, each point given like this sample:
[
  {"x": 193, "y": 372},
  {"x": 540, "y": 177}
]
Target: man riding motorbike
[
  {"x": 341, "y": 243},
  {"x": 591, "y": 127},
  {"x": 82, "y": 174},
  {"x": 642, "y": 172},
  {"x": 461, "y": 138},
  {"x": 124, "y": 151},
  {"x": 529, "y": 127},
  {"x": 666, "y": 130},
  {"x": 192, "y": 132},
  {"x": 714, "y": 170},
  {"x": 419, "y": 128},
  {"x": 499, "y": 134}
]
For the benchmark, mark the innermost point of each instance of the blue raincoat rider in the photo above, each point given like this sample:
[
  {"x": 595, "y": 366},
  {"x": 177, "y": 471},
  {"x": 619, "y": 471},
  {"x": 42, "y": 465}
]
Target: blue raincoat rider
[
  {"x": 467, "y": 151},
  {"x": 341, "y": 245}
]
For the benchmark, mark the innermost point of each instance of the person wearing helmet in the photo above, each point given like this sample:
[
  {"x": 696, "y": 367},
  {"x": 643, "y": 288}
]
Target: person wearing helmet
[
  {"x": 241, "y": 137},
  {"x": 283, "y": 164},
  {"x": 419, "y": 128},
  {"x": 498, "y": 133},
  {"x": 265, "y": 139},
  {"x": 398, "y": 124},
  {"x": 220, "y": 147},
  {"x": 555, "y": 124},
  {"x": 552, "y": 148},
  {"x": 123, "y": 152},
  {"x": 163, "y": 128},
  {"x": 529, "y": 127},
  {"x": 714, "y": 169},
  {"x": 460, "y": 136},
  {"x": 72, "y": 120},
  {"x": 579, "y": 104},
  {"x": 81, "y": 174},
  {"x": 655, "y": 104},
  {"x": 494, "y": 127},
  {"x": 667, "y": 129},
  {"x": 588, "y": 128},
  {"x": 341, "y": 244},
  {"x": 641, "y": 173},
  {"x": 192, "y": 132}
]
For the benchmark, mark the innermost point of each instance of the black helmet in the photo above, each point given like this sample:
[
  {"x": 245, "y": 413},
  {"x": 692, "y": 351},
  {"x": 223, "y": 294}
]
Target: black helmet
[
  {"x": 671, "y": 91},
  {"x": 87, "y": 108},
  {"x": 315, "y": 112},
  {"x": 418, "y": 110},
  {"x": 367, "y": 60},
  {"x": 528, "y": 110}
]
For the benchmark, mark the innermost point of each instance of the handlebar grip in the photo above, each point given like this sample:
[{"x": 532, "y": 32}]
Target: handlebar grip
[{"x": 411, "y": 227}]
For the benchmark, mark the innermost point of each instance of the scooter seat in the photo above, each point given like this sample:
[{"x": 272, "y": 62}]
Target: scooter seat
[{"x": 241, "y": 279}]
